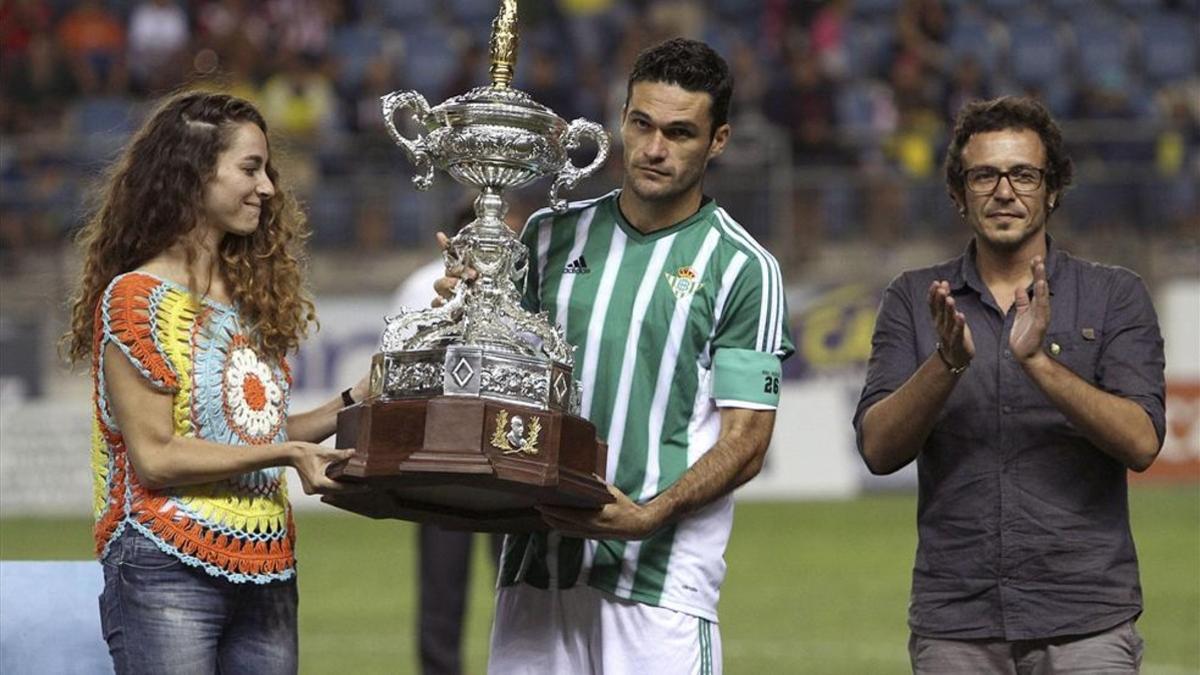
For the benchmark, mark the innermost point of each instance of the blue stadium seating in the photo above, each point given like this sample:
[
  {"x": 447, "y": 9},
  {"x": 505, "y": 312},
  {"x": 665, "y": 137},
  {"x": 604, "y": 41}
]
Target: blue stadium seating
[
  {"x": 972, "y": 34},
  {"x": 1136, "y": 7},
  {"x": 354, "y": 45},
  {"x": 429, "y": 60},
  {"x": 868, "y": 45},
  {"x": 1168, "y": 47},
  {"x": 1105, "y": 44},
  {"x": 1037, "y": 50}
]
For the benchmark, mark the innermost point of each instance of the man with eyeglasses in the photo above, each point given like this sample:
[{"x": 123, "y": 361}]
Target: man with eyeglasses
[{"x": 1025, "y": 382}]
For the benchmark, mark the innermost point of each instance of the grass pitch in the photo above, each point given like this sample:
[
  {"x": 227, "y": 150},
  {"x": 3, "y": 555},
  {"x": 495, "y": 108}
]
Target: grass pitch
[{"x": 813, "y": 587}]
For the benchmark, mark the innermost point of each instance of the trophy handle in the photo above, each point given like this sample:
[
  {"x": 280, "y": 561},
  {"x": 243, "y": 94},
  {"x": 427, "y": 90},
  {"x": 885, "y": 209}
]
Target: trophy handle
[
  {"x": 414, "y": 148},
  {"x": 570, "y": 174}
]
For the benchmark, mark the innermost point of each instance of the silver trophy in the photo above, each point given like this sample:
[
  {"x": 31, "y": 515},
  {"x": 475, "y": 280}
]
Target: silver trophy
[
  {"x": 482, "y": 343},
  {"x": 473, "y": 417}
]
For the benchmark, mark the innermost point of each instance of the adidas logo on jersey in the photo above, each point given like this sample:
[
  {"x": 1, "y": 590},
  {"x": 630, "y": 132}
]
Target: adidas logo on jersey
[{"x": 577, "y": 266}]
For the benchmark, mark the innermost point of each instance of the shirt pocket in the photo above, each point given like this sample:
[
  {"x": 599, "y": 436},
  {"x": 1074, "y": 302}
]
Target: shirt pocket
[
  {"x": 1072, "y": 349},
  {"x": 1078, "y": 350}
]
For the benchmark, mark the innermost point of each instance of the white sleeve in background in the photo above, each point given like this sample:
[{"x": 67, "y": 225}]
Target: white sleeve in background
[{"x": 416, "y": 292}]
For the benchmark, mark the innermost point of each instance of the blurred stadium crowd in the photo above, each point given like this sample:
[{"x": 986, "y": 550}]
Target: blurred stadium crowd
[{"x": 841, "y": 115}]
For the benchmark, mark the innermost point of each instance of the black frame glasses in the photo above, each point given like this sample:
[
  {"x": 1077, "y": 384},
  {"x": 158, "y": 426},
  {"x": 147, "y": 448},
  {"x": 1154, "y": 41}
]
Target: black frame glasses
[{"x": 1023, "y": 178}]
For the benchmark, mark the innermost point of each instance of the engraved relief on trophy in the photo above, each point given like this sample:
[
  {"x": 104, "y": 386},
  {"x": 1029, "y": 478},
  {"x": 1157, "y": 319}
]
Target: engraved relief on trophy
[
  {"x": 511, "y": 436},
  {"x": 515, "y": 382}
]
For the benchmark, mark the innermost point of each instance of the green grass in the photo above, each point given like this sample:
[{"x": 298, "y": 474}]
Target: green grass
[{"x": 815, "y": 587}]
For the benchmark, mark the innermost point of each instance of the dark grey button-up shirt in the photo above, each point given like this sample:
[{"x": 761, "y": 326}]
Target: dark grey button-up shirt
[{"x": 1023, "y": 524}]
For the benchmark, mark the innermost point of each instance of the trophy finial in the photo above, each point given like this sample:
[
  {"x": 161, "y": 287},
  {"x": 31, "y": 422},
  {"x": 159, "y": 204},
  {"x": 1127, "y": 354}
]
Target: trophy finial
[{"x": 504, "y": 44}]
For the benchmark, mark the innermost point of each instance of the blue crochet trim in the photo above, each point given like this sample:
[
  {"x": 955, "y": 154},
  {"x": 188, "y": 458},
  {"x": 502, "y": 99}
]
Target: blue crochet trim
[{"x": 213, "y": 570}]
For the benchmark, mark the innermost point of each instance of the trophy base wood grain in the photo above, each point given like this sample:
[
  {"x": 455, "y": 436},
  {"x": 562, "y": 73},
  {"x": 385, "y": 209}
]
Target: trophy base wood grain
[{"x": 467, "y": 463}]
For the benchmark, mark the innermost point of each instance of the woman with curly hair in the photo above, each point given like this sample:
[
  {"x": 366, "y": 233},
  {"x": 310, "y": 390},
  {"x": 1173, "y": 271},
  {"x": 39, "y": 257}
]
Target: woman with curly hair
[{"x": 189, "y": 301}]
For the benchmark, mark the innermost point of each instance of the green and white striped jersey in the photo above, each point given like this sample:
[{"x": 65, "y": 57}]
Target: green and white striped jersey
[{"x": 669, "y": 327}]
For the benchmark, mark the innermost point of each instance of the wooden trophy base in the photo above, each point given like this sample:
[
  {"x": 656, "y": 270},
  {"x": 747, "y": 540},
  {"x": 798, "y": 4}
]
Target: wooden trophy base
[{"x": 467, "y": 463}]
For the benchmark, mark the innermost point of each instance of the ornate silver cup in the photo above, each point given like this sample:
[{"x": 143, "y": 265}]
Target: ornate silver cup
[
  {"x": 481, "y": 342},
  {"x": 473, "y": 413}
]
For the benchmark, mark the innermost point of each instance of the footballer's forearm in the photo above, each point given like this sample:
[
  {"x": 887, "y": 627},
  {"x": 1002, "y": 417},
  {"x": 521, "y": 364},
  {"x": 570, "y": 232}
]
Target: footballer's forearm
[{"x": 736, "y": 458}]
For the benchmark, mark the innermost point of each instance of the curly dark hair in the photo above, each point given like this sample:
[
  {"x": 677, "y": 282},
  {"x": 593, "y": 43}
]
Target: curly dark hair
[
  {"x": 690, "y": 64},
  {"x": 999, "y": 114},
  {"x": 152, "y": 198}
]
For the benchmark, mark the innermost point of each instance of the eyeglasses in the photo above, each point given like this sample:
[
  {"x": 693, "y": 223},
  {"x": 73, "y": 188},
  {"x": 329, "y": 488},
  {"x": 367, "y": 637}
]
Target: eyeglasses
[{"x": 983, "y": 180}]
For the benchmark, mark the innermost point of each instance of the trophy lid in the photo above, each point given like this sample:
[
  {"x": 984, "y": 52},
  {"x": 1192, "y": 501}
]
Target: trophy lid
[{"x": 502, "y": 106}]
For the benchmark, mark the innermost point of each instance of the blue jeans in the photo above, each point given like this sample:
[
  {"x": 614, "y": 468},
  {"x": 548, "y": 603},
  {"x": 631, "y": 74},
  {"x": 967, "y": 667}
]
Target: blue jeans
[{"x": 164, "y": 617}]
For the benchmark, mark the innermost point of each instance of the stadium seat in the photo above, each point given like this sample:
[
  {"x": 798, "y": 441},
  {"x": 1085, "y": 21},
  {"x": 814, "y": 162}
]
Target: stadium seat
[
  {"x": 1104, "y": 44},
  {"x": 473, "y": 11},
  {"x": 354, "y": 45},
  {"x": 856, "y": 106},
  {"x": 1168, "y": 47},
  {"x": 104, "y": 115},
  {"x": 50, "y": 618},
  {"x": 1137, "y": 7},
  {"x": 331, "y": 212},
  {"x": 405, "y": 13},
  {"x": 1003, "y": 9},
  {"x": 868, "y": 45},
  {"x": 1066, "y": 9},
  {"x": 973, "y": 34},
  {"x": 875, "y": 7},
  {"x": 1037, "y": 51},
  {"x": 104, "y": 123},
  {"x": 430, "y": 60}
]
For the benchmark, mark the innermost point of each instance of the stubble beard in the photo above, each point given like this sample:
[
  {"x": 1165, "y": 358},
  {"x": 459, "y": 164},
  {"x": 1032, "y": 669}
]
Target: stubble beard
[
  {"x": 996, "y": 241},
  {"x": 667, "y": 194}
]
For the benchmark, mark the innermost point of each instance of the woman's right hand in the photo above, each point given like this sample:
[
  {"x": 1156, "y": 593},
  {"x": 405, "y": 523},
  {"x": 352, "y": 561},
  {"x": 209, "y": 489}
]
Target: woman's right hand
[{"x": 311, "y": 461}]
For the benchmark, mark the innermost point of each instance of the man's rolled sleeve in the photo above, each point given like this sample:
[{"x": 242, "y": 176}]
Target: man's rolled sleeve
[
  {"x": 1131, "y": 360},
  {"x": 893, "y": 349}
]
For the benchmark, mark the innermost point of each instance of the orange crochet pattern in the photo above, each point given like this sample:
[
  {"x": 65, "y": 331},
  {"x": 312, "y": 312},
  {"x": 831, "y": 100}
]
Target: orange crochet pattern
[{"x": 241, "y": 528}]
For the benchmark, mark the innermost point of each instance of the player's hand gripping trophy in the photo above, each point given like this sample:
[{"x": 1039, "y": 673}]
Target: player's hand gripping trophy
[{"x": 480, "y": 359}]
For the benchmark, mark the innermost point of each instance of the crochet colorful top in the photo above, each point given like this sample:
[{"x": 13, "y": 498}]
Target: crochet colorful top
[{"x": 239, "y": 528}]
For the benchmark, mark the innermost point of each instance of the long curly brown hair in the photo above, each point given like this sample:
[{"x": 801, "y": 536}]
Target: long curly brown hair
[{"x": 152, "y": 198}]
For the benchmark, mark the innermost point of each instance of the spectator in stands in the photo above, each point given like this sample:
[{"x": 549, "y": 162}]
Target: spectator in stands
[
  {"x": 20, "y": 21},
  {"x": 189, "y": 301},
  {"x": 1025, "y": 559},
  {"x": 300, "y": 100},
  {"x": 923, "y": 26},
  {"x": 37, "y": 87},
  {"x": 801, "y": 101},
  {"x": 919, "y": 125},
  {"x": 94, "y": 39},
  {"x": 967, "y": 84},
  {"x": 828, "y": 38},
  {"x": 158, "y": 35},
  {"x": 548, "y": 86}
]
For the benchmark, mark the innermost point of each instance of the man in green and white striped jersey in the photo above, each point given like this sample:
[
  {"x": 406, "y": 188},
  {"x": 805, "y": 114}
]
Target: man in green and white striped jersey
[{"x": 680, "y": 325}]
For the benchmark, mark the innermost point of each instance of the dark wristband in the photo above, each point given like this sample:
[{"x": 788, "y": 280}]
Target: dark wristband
[{"x": 346, "y": 399}]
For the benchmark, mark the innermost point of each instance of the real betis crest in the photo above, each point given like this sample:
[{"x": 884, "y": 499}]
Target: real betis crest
[{"x": 683, "y": 283}]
